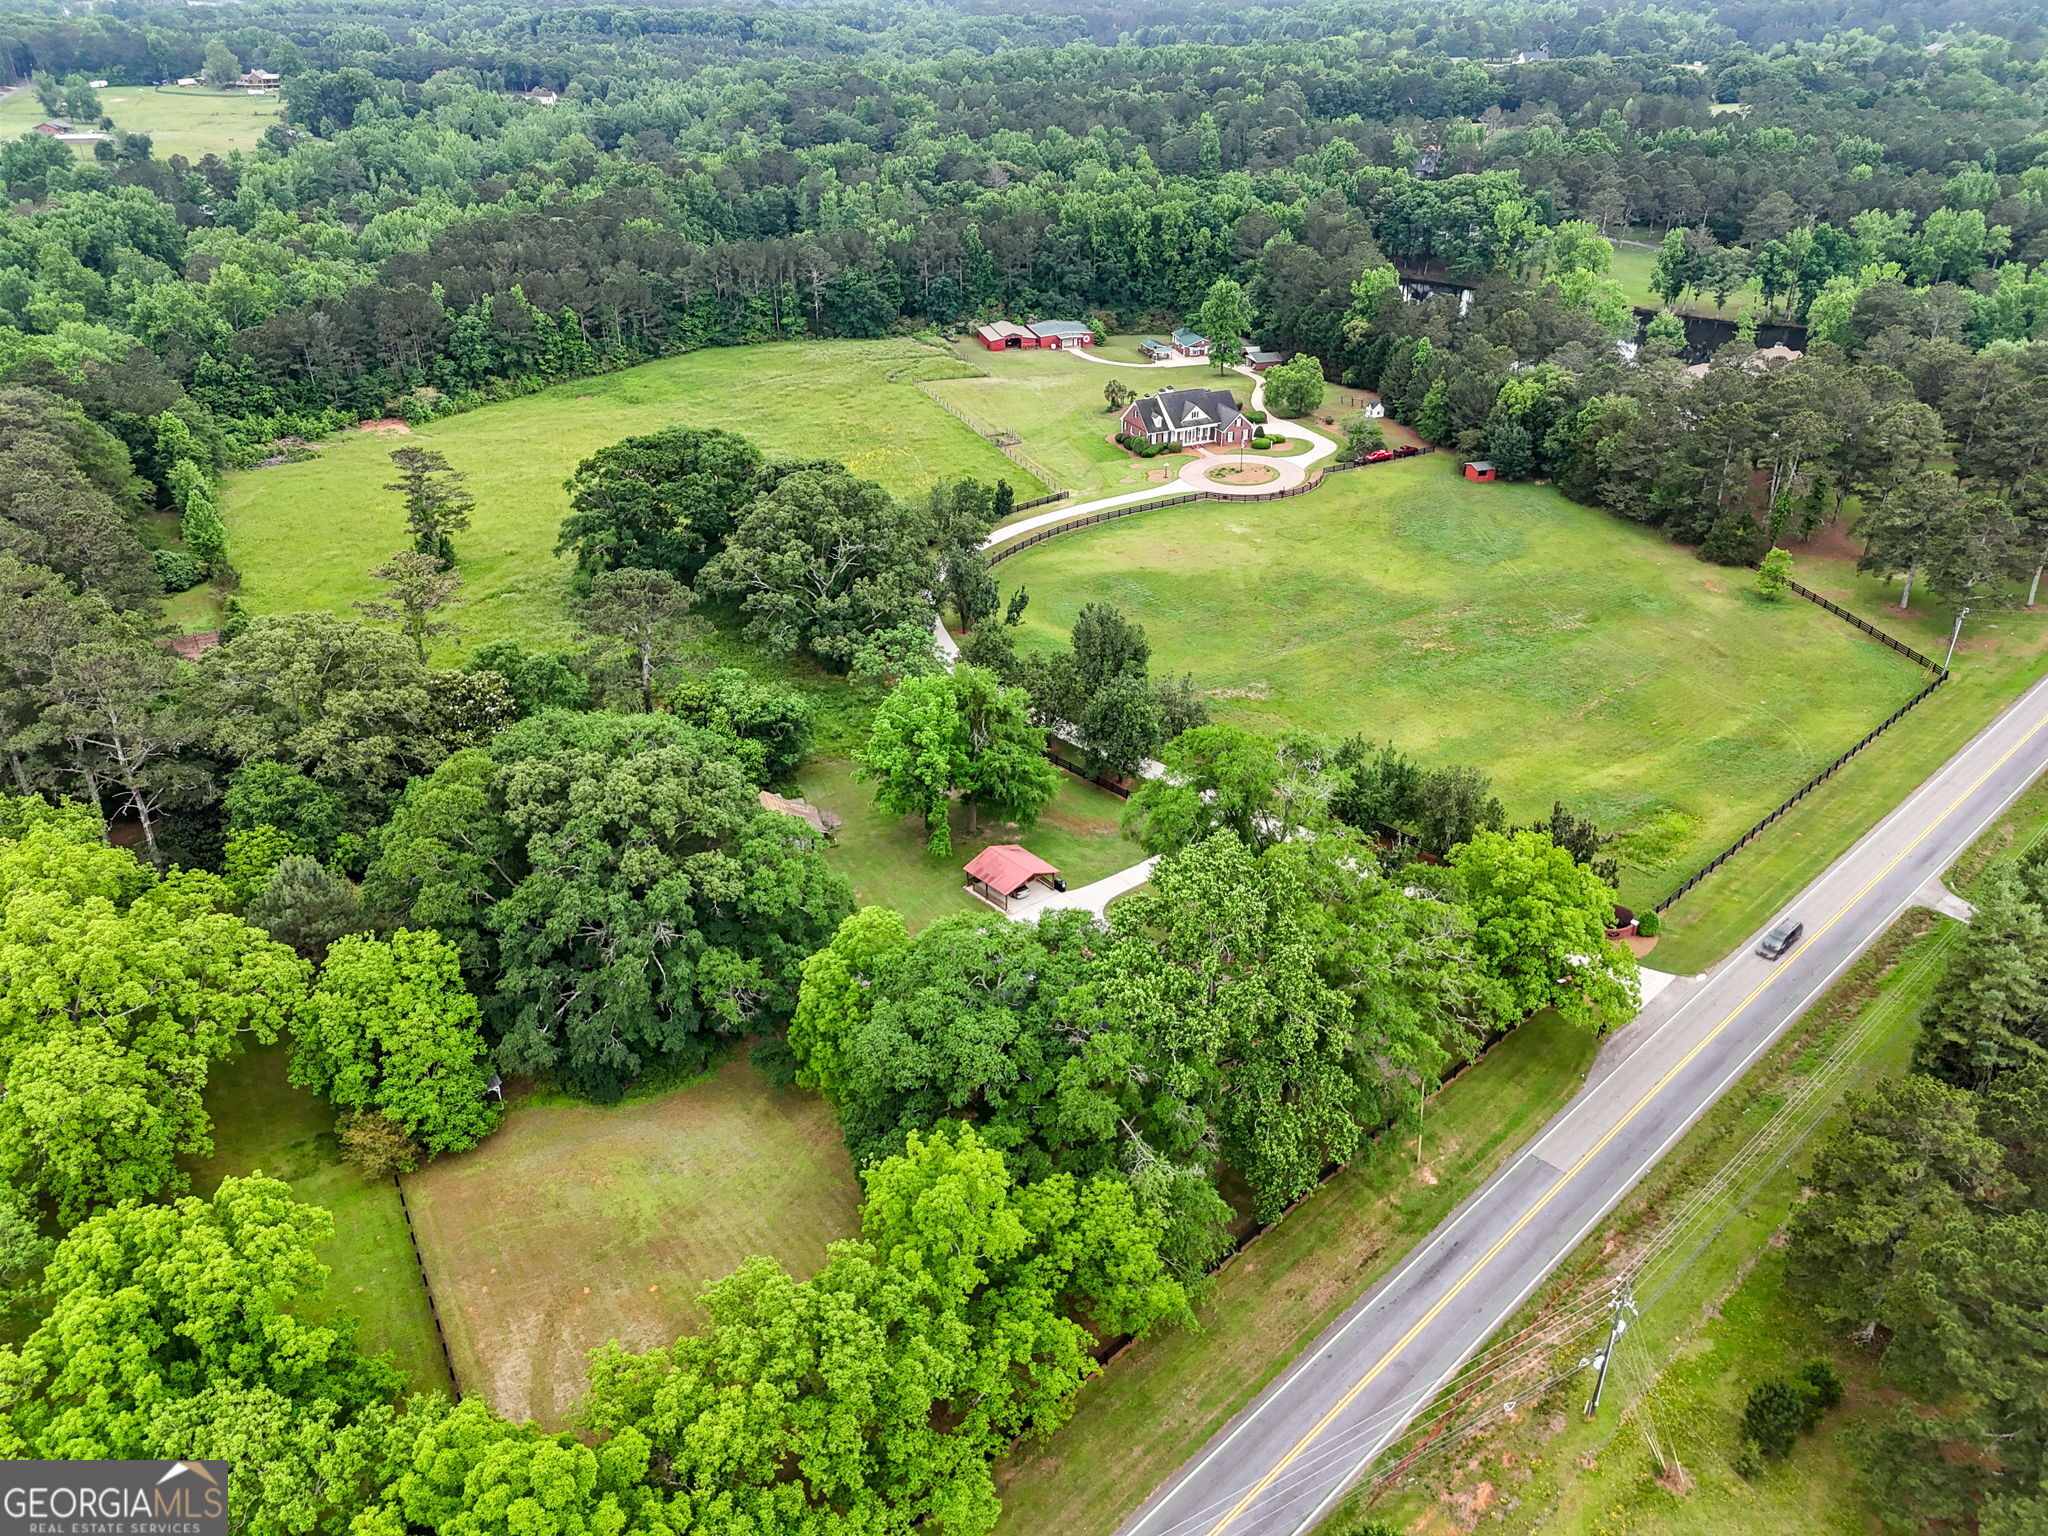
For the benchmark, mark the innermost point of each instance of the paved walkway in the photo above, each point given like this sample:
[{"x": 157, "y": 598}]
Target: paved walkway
[{"x": 1097, "y": 897}]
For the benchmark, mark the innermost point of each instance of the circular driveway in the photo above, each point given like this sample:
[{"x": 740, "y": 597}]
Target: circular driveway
[{"x": 1195, "y": 474}]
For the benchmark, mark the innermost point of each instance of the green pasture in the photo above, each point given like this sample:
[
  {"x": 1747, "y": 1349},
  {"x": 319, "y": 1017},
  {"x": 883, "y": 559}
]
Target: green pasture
[
  {"x": 1566, "y": 653},
  {"x": 306, "y": 535},
  {"x": 2000, "y": 656},
  {"x": 1632, "y": 267},
  {"x": 886, "y": 858},
  {"x": 262, "y": 1124},
  {"x": 191, "y": 122},
  {"x": 576, "y": 1224}
]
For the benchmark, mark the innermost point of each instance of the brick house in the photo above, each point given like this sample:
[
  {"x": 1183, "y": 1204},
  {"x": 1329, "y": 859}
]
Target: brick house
[
  {"x": 54, "y": 127},
  {"x": 1062, "y": 333},
  {"x": 1190, "y": 343},
  {"x": 1188, "y": 417}
]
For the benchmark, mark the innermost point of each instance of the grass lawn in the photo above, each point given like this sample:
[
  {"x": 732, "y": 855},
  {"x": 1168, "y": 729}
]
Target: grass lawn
[
  {"x": 261, "y": 1123},
  {"x": 886, "y": 859},
  {"x": 2001, "y": 654},
  {"x": 1632, "y": 266},
  {"x": 191, "y": 123},
  {"x": 577, "y": 1224},
  {"x": 306, "y": 535},
  {"x": 1159, "y": 1400},
  {"x": 1568, "y": 654}
]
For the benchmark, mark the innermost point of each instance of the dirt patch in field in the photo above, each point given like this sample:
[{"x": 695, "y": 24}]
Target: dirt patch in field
[
  {"x": 386, "y": 424},
  {"x": 577, "y": 1224}
]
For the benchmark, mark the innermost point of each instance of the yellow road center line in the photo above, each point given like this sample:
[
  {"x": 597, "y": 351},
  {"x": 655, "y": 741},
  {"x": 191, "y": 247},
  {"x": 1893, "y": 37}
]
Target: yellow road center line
[{"x": 1593, "y": 1151}]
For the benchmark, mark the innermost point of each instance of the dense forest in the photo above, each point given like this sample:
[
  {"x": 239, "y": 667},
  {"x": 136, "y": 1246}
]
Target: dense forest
[{"x": 558, "y": 867}]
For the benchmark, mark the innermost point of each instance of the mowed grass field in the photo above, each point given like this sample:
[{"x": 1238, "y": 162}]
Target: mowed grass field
[
  {"x": 192, "y": 123},
  {"x": 1567, "y": 654},
  {"x": 886, "y": 858},
  {"x": 576, "y": 1224},
  {"x": 262, "y": 1124},
  {"x": 2002, "y": 653},
  {"x": 306, "y": 535}
]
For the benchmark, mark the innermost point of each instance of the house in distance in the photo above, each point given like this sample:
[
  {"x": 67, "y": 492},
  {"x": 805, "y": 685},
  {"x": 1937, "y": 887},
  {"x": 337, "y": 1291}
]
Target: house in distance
[{"x": 1189, "y": 417}]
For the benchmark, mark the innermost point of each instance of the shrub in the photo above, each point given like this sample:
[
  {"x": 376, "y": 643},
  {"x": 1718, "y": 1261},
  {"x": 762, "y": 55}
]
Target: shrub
[
  {"x": 1648, "y": 924},
  {"x": 1749, "y": 1461},
  {"x": 1262, "y": 441},
  {"x": 376, "y": 1146},
  {"x": 178, "y": 571},
  {"x": 1255, "y": 417},
  {"x": 1823, "y": 1386},
  {"x": 1774, "y": 1416}
]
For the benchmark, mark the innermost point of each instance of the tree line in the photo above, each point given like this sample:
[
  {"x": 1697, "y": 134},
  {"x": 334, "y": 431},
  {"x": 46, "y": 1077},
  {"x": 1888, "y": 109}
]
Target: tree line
[{"x": 1924, "y": 1237}]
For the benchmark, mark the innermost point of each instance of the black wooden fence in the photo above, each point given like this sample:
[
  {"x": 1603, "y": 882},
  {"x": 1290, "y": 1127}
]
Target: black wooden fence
[
  {"x": 1869, "y": 629},
  {"x": 427, "y": 1285},
  {"x": 1041, "y": 501},
  {"x": 1941, "y": 676}
]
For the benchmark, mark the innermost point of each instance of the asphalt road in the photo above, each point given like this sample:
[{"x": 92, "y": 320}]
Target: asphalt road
[{"x": 1289, "y": 1455}]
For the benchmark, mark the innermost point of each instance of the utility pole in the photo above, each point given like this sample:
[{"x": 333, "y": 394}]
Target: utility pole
[
  {"x": 1623, "y": 1305},
  {"x": 1954, "y": 635}
]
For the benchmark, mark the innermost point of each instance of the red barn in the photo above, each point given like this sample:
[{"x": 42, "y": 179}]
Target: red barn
[
  {"x": 1480, "y": 470},
  {"x": 1062, "y": 333},
  {"x": 1003, "y": 334}
]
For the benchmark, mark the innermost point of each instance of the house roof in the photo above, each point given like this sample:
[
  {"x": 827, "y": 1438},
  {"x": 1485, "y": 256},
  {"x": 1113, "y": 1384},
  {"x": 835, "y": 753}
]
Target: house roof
[
  {"x": 1482, "y": 465},
  {"x": 55, "y": 125},
  {"x": 1261, "y": 355},
  {"x": 999, "y": 330},
  {"x": 1172, "y": 409},
  {"x": 1006, "y": 866},
  {"x": 1153, "y": 341},
  {"x": 822, "y": 822},
  {"x": 1187, "y": 338},
  {"x": 1061, "y": 328}
]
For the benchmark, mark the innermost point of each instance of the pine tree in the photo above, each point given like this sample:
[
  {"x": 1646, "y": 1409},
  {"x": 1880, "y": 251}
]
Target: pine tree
[{"x": 1989, "y": 1011}]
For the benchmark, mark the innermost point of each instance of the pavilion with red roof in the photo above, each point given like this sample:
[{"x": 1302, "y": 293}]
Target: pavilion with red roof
[{"x": 999, "y": 874}]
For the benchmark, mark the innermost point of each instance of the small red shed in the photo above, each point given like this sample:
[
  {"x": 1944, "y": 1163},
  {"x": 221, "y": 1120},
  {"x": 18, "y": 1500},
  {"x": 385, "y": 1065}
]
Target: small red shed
[{"x": 1480, "y": 470}]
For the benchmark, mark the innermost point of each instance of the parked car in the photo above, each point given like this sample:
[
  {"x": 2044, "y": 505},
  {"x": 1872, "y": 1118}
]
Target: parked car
[
  {"x": 1379, "y": 456},
  {"x": 1406, "y": 451},
  {"x": 1780, "y": 939}
]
